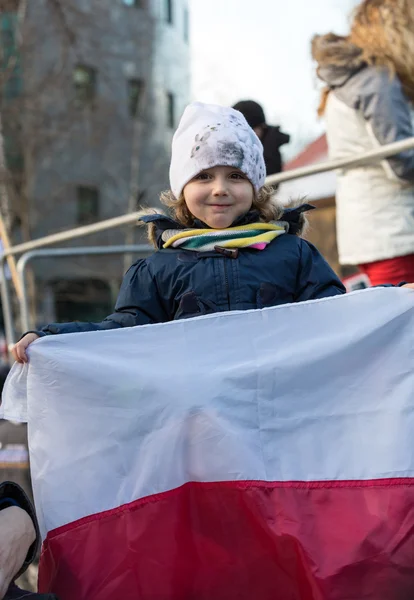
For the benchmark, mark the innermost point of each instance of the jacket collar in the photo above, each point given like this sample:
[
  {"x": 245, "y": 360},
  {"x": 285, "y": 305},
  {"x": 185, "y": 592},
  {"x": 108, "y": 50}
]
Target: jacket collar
[
  {"x": 337, "y": 76},
  {"x": 293, "y": 216}
]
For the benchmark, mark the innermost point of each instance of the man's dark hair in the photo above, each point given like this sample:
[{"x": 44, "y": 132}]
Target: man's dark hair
[{"x": 252, "y": 112}]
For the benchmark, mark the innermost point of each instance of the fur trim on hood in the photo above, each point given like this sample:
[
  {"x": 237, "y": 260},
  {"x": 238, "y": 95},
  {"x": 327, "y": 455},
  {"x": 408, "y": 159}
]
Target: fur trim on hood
[
  {"x": 338, "y": 58},
  {"x": 381, "y": 35}
]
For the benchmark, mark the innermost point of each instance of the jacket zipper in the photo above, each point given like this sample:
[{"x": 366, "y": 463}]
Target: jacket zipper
[
  {"x": 228, "y": 253},
  {"x": 226, "y": 281}
]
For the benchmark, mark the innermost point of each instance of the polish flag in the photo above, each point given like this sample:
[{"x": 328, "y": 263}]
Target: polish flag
[{"x": 261, "y": 454}]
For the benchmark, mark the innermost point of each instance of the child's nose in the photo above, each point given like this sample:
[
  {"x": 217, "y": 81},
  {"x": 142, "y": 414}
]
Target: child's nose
[{"x": 220, "y": 187}]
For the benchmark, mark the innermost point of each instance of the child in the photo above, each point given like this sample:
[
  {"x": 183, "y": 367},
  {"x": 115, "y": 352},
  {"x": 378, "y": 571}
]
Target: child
[{"x": 227, "y": 247}]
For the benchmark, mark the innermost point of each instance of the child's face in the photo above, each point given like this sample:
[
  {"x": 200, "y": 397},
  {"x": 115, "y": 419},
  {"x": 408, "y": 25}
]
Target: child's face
[{"x": 218, "y": 196}]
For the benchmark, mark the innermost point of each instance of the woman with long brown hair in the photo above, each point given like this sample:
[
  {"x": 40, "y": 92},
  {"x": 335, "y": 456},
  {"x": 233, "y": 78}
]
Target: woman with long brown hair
[{"x": 368, "y": 102}]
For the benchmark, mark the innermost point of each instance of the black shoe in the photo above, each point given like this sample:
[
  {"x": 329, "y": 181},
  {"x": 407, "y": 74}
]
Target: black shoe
[{"x": 16, "y": 593}]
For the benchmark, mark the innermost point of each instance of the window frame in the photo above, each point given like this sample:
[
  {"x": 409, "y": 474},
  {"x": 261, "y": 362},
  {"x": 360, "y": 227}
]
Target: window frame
[
  {"x": 85, "y": 94},
  {"x": 171, "y": 106},
  {"x": 134, "y": 3},
  {"x": 13, "y": 82},
  {"x": 85, "y": 217},
  {"x": 186, "y": 24},
  {"x": 169, "y": 12},
  {"x": 137, "y": 111}
]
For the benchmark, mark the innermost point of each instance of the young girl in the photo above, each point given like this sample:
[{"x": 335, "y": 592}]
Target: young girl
[{"x": 227, "y": 247}]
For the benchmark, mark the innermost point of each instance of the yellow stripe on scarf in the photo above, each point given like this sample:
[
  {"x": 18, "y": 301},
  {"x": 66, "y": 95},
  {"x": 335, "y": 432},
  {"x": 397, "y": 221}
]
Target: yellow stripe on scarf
[
  {"x": 271, "y": 227},
  {"x": 249, "y": 241}
]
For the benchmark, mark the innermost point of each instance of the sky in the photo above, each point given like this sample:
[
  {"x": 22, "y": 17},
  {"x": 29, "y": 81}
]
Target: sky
[{"x": 260, "y": 50}]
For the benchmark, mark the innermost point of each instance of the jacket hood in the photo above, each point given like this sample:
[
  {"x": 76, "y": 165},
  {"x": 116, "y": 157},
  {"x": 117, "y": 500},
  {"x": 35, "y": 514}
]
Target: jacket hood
[
  {"x": 338, "y": 59},
  {"x": 293, "y": 216},
  {"x": 274, "y": 137}
]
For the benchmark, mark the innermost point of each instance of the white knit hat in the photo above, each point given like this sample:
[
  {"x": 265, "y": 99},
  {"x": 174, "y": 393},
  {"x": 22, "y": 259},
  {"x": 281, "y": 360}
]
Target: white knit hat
[{"x": 209, "y": 136}]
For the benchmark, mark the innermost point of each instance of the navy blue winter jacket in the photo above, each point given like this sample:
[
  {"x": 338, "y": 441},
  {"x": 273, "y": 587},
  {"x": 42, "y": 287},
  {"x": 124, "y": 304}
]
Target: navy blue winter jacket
[{"x": 176, "y": 284}]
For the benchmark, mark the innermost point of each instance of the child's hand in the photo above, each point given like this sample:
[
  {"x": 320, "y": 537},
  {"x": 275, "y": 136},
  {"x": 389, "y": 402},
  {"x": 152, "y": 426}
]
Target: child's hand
[
  {"x": 19, "y": 350},
  {"x": 409, "y": 285}
]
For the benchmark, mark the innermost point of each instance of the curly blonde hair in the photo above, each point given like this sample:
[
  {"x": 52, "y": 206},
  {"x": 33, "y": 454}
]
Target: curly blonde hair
[
  {"x": 384, "y": 31},
  {"x": 263, "y": 202},
  {"x": 381, "y": 35}
]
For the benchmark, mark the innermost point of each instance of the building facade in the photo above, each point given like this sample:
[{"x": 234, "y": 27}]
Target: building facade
[{"x": 100, "y": 86}]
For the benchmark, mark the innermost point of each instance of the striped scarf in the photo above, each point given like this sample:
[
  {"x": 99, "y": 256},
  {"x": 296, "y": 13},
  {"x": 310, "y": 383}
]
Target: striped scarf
[{"x": 255, "y": 235}]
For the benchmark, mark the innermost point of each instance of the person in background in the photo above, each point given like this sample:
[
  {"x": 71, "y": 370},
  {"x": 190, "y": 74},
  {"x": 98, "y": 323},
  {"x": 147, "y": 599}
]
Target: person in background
[
  {"x": 270, "y": 135},
  {"x": 19, "y": 541},
  {"x": 19, "y": 532},
  {"x": 368, "y": 102},
  {"x": 14, "y": 453}
]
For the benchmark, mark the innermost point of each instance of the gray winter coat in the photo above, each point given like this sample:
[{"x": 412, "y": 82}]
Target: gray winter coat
[{"x": 375, "y": 203}]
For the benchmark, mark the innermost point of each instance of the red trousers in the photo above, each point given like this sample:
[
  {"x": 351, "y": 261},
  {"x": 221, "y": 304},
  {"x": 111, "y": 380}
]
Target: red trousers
[{"x": 391, "y": 270}]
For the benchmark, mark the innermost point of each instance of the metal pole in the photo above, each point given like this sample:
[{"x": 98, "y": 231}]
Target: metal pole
[
  {"x": 73, "y": 233},
  {"x": 24, "y": 300},
  {"x": 6, "y": 305},
  {"x": 139, "y": 250},
  {"x": 355, "y": 161}
]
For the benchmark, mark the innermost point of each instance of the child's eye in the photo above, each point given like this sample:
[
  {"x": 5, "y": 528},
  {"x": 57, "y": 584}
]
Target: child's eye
[
  {"x": 202, "y": 176},
  {"x": 237, "y": 175}
]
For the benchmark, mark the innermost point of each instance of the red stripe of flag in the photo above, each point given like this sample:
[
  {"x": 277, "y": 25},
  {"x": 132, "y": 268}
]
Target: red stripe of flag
[{"x": 248, "y": 540}]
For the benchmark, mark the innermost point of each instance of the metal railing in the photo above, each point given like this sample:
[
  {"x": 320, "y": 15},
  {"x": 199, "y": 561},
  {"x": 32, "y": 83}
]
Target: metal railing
[
  {"x": 71, "y": 234},
  {"x": 139, "y": 250},
  {"x": 32, "y": 247},
  {"x": 356, "y": 161}
]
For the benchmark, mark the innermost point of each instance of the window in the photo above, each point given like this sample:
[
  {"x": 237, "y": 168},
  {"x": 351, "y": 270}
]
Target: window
[
  {"x": 170, "y": 110},
  {"x": 13, "y": 146},
  {"x": 8, "y": 26},
  {"x": 88, "y": 205},
  {"x": 84, "y": 80},
  {"x": 186, "y": 25},
  {"x": 13, "y": 153},
  {"x": 10, "y": 59},
  {"x": 12, "y": 86},
  {"x": 134, "y": 3},
  {"x": 169, "y": 11},
  {"x": 135, "y": 93}
]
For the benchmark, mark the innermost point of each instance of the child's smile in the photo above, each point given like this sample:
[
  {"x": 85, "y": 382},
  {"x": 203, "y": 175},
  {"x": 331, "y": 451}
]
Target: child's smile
[{"x": 218, "y": 196}]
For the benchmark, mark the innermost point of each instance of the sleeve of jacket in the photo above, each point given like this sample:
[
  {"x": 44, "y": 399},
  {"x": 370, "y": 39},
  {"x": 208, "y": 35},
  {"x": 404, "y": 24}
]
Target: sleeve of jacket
[
  {"x": 388, "y": 114},
  {"x": 315, "y": 277},
  {"x": 139, "y": 303},
  {"x": 12, "y": 494}
]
